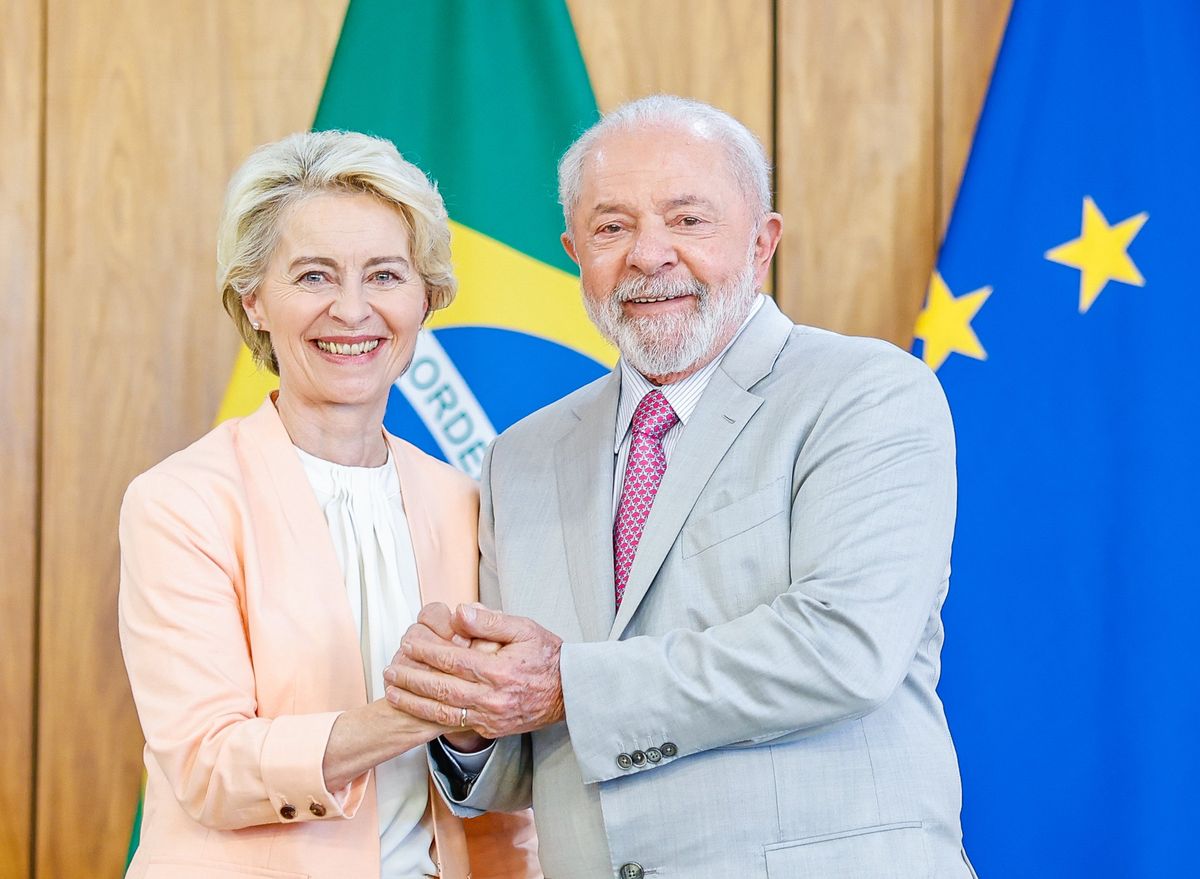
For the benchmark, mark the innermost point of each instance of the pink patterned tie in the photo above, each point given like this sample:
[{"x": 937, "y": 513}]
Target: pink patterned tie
[{"x": 643, "y": 473}]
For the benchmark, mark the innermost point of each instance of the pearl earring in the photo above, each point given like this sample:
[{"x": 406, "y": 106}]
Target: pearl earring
[{"x": 257, "y": 326}]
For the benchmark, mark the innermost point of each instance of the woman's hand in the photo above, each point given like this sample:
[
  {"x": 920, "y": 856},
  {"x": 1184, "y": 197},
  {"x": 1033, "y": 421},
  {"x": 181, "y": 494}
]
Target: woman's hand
[
  {"x": 435, "y": 620},
  {"x": 364, "y": 737}
]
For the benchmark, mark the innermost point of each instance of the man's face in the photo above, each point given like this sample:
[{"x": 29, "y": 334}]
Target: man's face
[{"x": 670, "y": 249}]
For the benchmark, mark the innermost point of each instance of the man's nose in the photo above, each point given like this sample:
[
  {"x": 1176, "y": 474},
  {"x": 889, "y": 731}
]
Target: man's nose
[
  {"x": 351, "y": 307},
  {"x": 652, "y": 251}
]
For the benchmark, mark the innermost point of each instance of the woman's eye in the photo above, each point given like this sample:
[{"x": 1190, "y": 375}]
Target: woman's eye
[
  {"x": 386, "y": 277},
  {"x": 312, "y": 278}
]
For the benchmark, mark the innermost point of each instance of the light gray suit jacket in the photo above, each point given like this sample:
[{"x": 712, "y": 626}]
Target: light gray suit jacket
[{"x": 764, "y": 704}]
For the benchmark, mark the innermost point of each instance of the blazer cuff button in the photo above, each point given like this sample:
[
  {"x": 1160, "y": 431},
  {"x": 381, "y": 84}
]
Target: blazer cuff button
[{"x": 287, "y": 811}]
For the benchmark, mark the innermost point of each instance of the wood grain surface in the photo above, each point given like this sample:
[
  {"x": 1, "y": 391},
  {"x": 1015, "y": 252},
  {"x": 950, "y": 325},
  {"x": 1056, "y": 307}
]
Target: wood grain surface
[
  {"x": 970, "y": 33},
  {"x": 713, "y": 50},
  {"x": 150, "y": 107},
  {"x": 21, "y": 82},
  {"x": 868, "y": 107},
  {"x": 856, "y": 161}
]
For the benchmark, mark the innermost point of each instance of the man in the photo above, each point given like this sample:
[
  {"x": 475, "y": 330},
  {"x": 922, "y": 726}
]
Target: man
[{"x": 721, "y": 568}]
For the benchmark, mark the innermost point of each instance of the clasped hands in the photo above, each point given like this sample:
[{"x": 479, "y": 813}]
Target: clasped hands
[{"x": 502, "y": 669}]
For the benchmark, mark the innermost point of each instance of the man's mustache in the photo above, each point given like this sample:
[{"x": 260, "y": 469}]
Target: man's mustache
[{"x": 658, "y": 288}]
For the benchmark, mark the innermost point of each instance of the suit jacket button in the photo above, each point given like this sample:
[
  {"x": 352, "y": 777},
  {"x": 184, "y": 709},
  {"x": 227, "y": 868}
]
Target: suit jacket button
[
  {"x": 668, "y": 749},
  {"x": 632, "y": 871},
  {"x": 653, "y": 755},
  {"x": 639, "y": 758},
  {"x": 317, "y": 809},
  {"x": 624, "y": 761},
  {"x": 287, "y": 811}
]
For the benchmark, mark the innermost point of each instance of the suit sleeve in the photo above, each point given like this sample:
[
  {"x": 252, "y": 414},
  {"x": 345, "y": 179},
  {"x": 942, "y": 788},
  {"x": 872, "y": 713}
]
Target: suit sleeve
[
  {"x": 505, "y": 783},
  {"x": 189, "y": 663},
  {"x": 870, "y": 530}
]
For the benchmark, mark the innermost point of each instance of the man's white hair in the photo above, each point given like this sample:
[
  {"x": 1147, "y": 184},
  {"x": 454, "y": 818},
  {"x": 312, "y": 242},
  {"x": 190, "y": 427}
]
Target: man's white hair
[{"x": 747, "y": 158}]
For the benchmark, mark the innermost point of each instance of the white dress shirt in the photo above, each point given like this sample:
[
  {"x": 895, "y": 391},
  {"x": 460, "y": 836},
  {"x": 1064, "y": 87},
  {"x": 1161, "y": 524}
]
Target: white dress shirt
[
  {"x": 365, "y": 514},
  {"x": 683, "y": 395}
]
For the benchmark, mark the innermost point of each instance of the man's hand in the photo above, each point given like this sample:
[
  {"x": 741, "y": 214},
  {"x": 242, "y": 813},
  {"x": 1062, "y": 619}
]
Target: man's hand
[{"x": 503, "y": 669}]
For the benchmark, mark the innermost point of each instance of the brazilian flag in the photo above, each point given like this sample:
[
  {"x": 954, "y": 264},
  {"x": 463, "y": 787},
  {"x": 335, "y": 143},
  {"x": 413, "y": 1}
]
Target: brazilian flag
[
  {"x": 1062, "y": 323},
  {"x": 484, "y": 97}
]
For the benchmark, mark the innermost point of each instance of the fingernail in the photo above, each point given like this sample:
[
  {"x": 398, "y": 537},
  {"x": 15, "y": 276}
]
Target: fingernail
[
  {"x": 406, "y": 647},
  {"x": 460, "y": 641},
  {"x": 468, "y": 612}
]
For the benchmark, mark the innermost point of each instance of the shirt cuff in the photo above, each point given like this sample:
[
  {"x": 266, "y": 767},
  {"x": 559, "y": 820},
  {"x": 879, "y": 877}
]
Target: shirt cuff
[{"x": 468, "y": 764}]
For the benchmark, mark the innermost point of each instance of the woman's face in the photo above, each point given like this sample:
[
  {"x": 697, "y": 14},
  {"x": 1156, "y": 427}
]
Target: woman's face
[{"x": 341, "y": 301}]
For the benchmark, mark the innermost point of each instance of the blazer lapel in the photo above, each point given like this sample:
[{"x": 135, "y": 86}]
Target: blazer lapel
[
  {"x": 421, "y": 530},
  {"x": 583, "y": 461},
  {"x": 724, "y": 410},
  {"x": 282, "y": 498}
]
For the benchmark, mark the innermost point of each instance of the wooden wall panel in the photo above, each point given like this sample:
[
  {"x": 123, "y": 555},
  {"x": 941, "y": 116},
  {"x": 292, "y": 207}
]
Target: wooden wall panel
[
  {"x": 856, "y": 163},
  {"x": 21, "y": 83},
  {"x": 970, "y": 32},
  {"x": 714, "y": 50},
  {"x": 150, "y": 107}
]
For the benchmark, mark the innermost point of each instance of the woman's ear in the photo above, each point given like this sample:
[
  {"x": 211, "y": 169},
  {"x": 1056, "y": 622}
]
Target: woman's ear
[{"x": 250, "y": 306}]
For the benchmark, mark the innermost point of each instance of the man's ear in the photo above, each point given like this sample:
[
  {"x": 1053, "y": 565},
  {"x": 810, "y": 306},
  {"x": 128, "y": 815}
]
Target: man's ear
[
  {"x": 568, "y": 244},
  {"x": 770, "y": 230}
]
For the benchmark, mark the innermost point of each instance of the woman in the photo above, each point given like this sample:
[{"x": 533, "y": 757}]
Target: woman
[{"x": 270, "y": 569}]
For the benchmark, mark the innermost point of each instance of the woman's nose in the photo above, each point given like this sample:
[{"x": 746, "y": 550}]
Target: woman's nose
[{"x": 351, "y": 307}]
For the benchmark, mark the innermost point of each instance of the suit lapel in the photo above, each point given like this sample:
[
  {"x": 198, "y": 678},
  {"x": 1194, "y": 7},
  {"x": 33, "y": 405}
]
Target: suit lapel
[
  {"x": 583, "y": 462},
  {"x": 724, "y": 410}
]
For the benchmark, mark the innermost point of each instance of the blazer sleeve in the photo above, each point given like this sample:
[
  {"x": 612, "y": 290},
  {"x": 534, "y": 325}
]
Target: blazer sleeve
[
  {"x": 870, "y": 524},
  {"x": 190, "y": 669}
]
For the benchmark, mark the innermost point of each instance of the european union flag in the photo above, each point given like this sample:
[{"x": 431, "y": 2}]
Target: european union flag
[{"x": 1062, "y": 322}]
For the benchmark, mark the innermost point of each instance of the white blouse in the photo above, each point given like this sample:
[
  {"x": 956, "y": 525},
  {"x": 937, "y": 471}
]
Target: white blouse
[{"x": 365, "y": 514}]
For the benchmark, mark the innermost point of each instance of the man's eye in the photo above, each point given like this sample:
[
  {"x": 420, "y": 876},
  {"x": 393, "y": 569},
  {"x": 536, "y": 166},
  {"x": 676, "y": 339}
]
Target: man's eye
[
  {"x": 690, "y": 221},
  {"x": 610, "y": 228}
]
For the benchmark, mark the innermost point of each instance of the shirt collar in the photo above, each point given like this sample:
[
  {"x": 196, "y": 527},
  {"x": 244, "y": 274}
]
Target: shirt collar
[{"x": 683, "y": 395}]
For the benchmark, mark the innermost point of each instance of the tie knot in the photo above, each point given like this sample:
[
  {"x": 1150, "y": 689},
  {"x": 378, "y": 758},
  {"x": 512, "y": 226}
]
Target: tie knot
[{"x": 654, "y": 416}]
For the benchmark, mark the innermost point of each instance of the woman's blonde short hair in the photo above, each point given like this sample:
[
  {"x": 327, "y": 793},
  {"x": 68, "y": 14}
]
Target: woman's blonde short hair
[{"x": 280, "y": 175}]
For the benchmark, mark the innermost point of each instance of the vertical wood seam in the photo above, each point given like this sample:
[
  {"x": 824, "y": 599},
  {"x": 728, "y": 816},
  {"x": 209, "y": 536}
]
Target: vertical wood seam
[
  {"x": 939, "y": 140},
  {"x": 774, "y": 111},
  {"x": 39, "y": 454}
]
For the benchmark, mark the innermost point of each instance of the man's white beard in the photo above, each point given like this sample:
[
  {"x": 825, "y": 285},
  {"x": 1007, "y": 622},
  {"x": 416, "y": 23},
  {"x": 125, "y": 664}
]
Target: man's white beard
[{"x": 664, "y": 344}]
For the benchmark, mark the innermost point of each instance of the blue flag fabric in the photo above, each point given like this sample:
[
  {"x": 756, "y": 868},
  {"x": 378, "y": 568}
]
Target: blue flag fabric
[{"x": 1062, "y": 322}]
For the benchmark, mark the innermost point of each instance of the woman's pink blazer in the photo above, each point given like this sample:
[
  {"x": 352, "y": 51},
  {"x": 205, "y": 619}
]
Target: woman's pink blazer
[{"x": 241, "y": 652}]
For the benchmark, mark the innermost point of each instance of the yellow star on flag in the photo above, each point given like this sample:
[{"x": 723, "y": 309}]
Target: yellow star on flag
[
  {"x": 1099, "y": 253},
  {"x": 945, "y": 323}
]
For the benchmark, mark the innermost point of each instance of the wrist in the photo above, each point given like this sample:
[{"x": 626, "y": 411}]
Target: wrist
[{"x": 466, "y": 741}]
